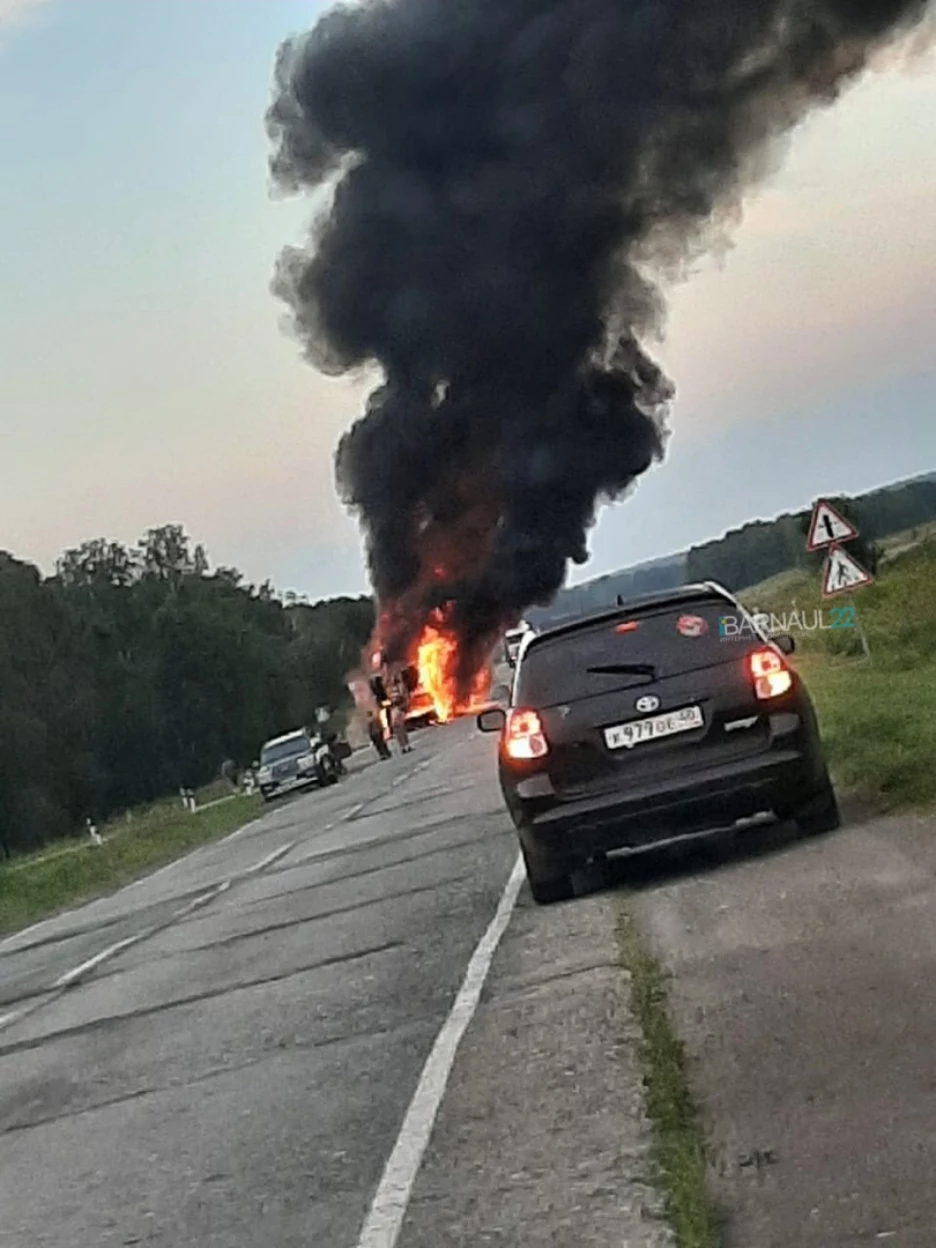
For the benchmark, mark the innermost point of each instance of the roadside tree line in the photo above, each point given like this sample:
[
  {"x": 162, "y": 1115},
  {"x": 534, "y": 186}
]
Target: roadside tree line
[{"x": 135, "y": 671}]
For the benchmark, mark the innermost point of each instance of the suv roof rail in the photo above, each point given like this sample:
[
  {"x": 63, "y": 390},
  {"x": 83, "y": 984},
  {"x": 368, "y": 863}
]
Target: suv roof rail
[{"x": 722, "y": 592}]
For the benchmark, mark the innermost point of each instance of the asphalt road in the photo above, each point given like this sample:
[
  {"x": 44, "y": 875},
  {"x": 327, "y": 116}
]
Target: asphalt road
[{"x": 249, "y": 1047}]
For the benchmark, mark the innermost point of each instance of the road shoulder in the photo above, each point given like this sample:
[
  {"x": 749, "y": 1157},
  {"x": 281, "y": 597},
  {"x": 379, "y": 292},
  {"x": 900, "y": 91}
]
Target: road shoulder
[
  {"x": 542, "y": 1137},
  {"x": 801, "y": 976}
]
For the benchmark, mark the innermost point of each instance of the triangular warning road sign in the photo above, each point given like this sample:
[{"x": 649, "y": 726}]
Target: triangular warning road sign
[
  {"x": 843, "y": 573},
  {"x": 828, "y": 526}
]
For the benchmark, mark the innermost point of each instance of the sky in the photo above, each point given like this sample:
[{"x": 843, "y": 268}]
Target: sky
[{"x": 146, "y": 378}]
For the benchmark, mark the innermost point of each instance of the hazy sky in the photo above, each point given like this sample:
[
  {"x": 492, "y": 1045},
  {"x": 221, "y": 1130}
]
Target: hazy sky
[{"x": 144, "y": 377}]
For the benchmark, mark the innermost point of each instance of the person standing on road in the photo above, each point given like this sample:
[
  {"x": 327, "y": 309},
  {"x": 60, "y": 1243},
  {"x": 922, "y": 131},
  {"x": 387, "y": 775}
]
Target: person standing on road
[
  {"x": 398, "y": 719},
  {"x": 375, "y": 729},
  {"x": 396, "y": 712}
]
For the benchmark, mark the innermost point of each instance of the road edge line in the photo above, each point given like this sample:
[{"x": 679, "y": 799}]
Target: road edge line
[{"x": 388, "y": 1207}]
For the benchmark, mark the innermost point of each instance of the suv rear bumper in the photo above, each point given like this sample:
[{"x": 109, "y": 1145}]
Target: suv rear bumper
[{"x": 778, "y": 780}]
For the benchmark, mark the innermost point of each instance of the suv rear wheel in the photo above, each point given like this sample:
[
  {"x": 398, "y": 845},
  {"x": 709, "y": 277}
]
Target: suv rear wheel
[
  {"x": 821, "y": 813},
  {"x": 550, "y": 880}
]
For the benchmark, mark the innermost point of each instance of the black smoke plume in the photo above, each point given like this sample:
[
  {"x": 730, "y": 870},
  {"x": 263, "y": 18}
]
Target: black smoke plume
[{"x": 503, "y": 181}]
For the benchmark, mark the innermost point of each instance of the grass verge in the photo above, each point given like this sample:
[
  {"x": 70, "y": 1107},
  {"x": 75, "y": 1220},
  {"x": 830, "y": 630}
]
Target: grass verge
[
  {"x": 35, "y": 886},
  {"x": 878, "y": 718},
  {"x": 879, "y": 729},
  {"x": 678, "y": 1139}
]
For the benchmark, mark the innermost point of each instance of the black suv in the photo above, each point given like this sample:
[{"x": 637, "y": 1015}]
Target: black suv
[{"x": 672, "y": 714}]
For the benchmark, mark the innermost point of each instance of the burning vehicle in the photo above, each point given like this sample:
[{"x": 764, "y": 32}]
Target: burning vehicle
[
  {"x": 420, "y": 707},
  {"x": 424, "y": 684},
  {"x": 420, "y": 704}
]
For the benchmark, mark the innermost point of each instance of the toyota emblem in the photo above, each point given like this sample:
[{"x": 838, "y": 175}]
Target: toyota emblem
[{"x": 649, "y": 703}]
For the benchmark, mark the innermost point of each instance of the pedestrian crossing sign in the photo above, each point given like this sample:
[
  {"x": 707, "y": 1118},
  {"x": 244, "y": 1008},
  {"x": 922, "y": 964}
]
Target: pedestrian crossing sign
[{"x": 843, "y": 573}]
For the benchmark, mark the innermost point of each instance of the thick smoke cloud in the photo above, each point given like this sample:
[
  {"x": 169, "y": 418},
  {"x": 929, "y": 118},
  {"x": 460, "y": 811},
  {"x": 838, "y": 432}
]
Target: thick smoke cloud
[{"x": 506, "y": 177}]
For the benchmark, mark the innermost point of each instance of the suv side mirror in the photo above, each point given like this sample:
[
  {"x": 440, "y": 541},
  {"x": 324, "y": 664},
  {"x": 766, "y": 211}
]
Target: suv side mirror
[
  {"x": 785, "y": 643},
  {"x": 492, "y": 720}
]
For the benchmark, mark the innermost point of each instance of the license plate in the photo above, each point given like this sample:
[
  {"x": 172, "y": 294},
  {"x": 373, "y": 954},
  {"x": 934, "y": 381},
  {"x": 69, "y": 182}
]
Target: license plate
[{"x": 626, "y": 736}]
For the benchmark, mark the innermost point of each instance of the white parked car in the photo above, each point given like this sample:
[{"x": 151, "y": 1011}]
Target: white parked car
[{"x": 296, "y": 760}]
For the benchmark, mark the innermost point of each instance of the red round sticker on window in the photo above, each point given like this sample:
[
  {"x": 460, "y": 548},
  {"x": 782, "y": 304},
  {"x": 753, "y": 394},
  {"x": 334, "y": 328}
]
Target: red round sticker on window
[{"x": 691, "y": 625}]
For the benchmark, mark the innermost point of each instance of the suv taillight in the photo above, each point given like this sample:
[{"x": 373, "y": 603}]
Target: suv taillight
[
  {"x": 523, "y": 735},
  {"x": 771, "y": 675}
]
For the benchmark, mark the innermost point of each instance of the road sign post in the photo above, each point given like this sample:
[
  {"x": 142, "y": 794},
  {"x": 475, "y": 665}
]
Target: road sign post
[{"x": 862, "y": 635}]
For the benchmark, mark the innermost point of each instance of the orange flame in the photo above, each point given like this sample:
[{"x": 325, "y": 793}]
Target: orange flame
[{"x": 437, "y": 661}]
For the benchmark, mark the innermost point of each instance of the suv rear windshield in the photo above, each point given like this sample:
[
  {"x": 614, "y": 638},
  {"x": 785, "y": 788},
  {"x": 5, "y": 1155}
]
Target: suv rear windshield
[{"x": 629, "y": 651}]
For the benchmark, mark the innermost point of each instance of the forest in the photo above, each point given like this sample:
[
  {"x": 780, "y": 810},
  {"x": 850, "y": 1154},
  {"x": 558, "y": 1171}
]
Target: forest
[{"x": 132, "y": 672}]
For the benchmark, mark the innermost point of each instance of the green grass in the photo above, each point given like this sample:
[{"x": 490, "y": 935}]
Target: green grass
[
  {"x": 878, "y": 718},
  {"x": 34, "y": 886},
  {"x": 678, "y": 1139},
  {"x": 217, "y": 791},
  {"x": 879, "y": 729}
]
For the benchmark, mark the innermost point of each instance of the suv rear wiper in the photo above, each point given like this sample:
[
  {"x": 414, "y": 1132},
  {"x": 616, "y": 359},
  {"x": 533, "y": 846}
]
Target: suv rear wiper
[{"x": 624, "y": 669}]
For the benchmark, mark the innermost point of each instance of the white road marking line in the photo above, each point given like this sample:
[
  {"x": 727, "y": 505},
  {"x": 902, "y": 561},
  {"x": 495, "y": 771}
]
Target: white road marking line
[
  {"x": 385, "y": 1217},
  {"x": 402, "y": 779},
  {"x": 6, "y": 1020},
  {"x": 78, "y": 972},
  {"x": 267, "y": 861},
  {"x": 202, "y": 900},
  {"x": 70, "y": 977}
]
